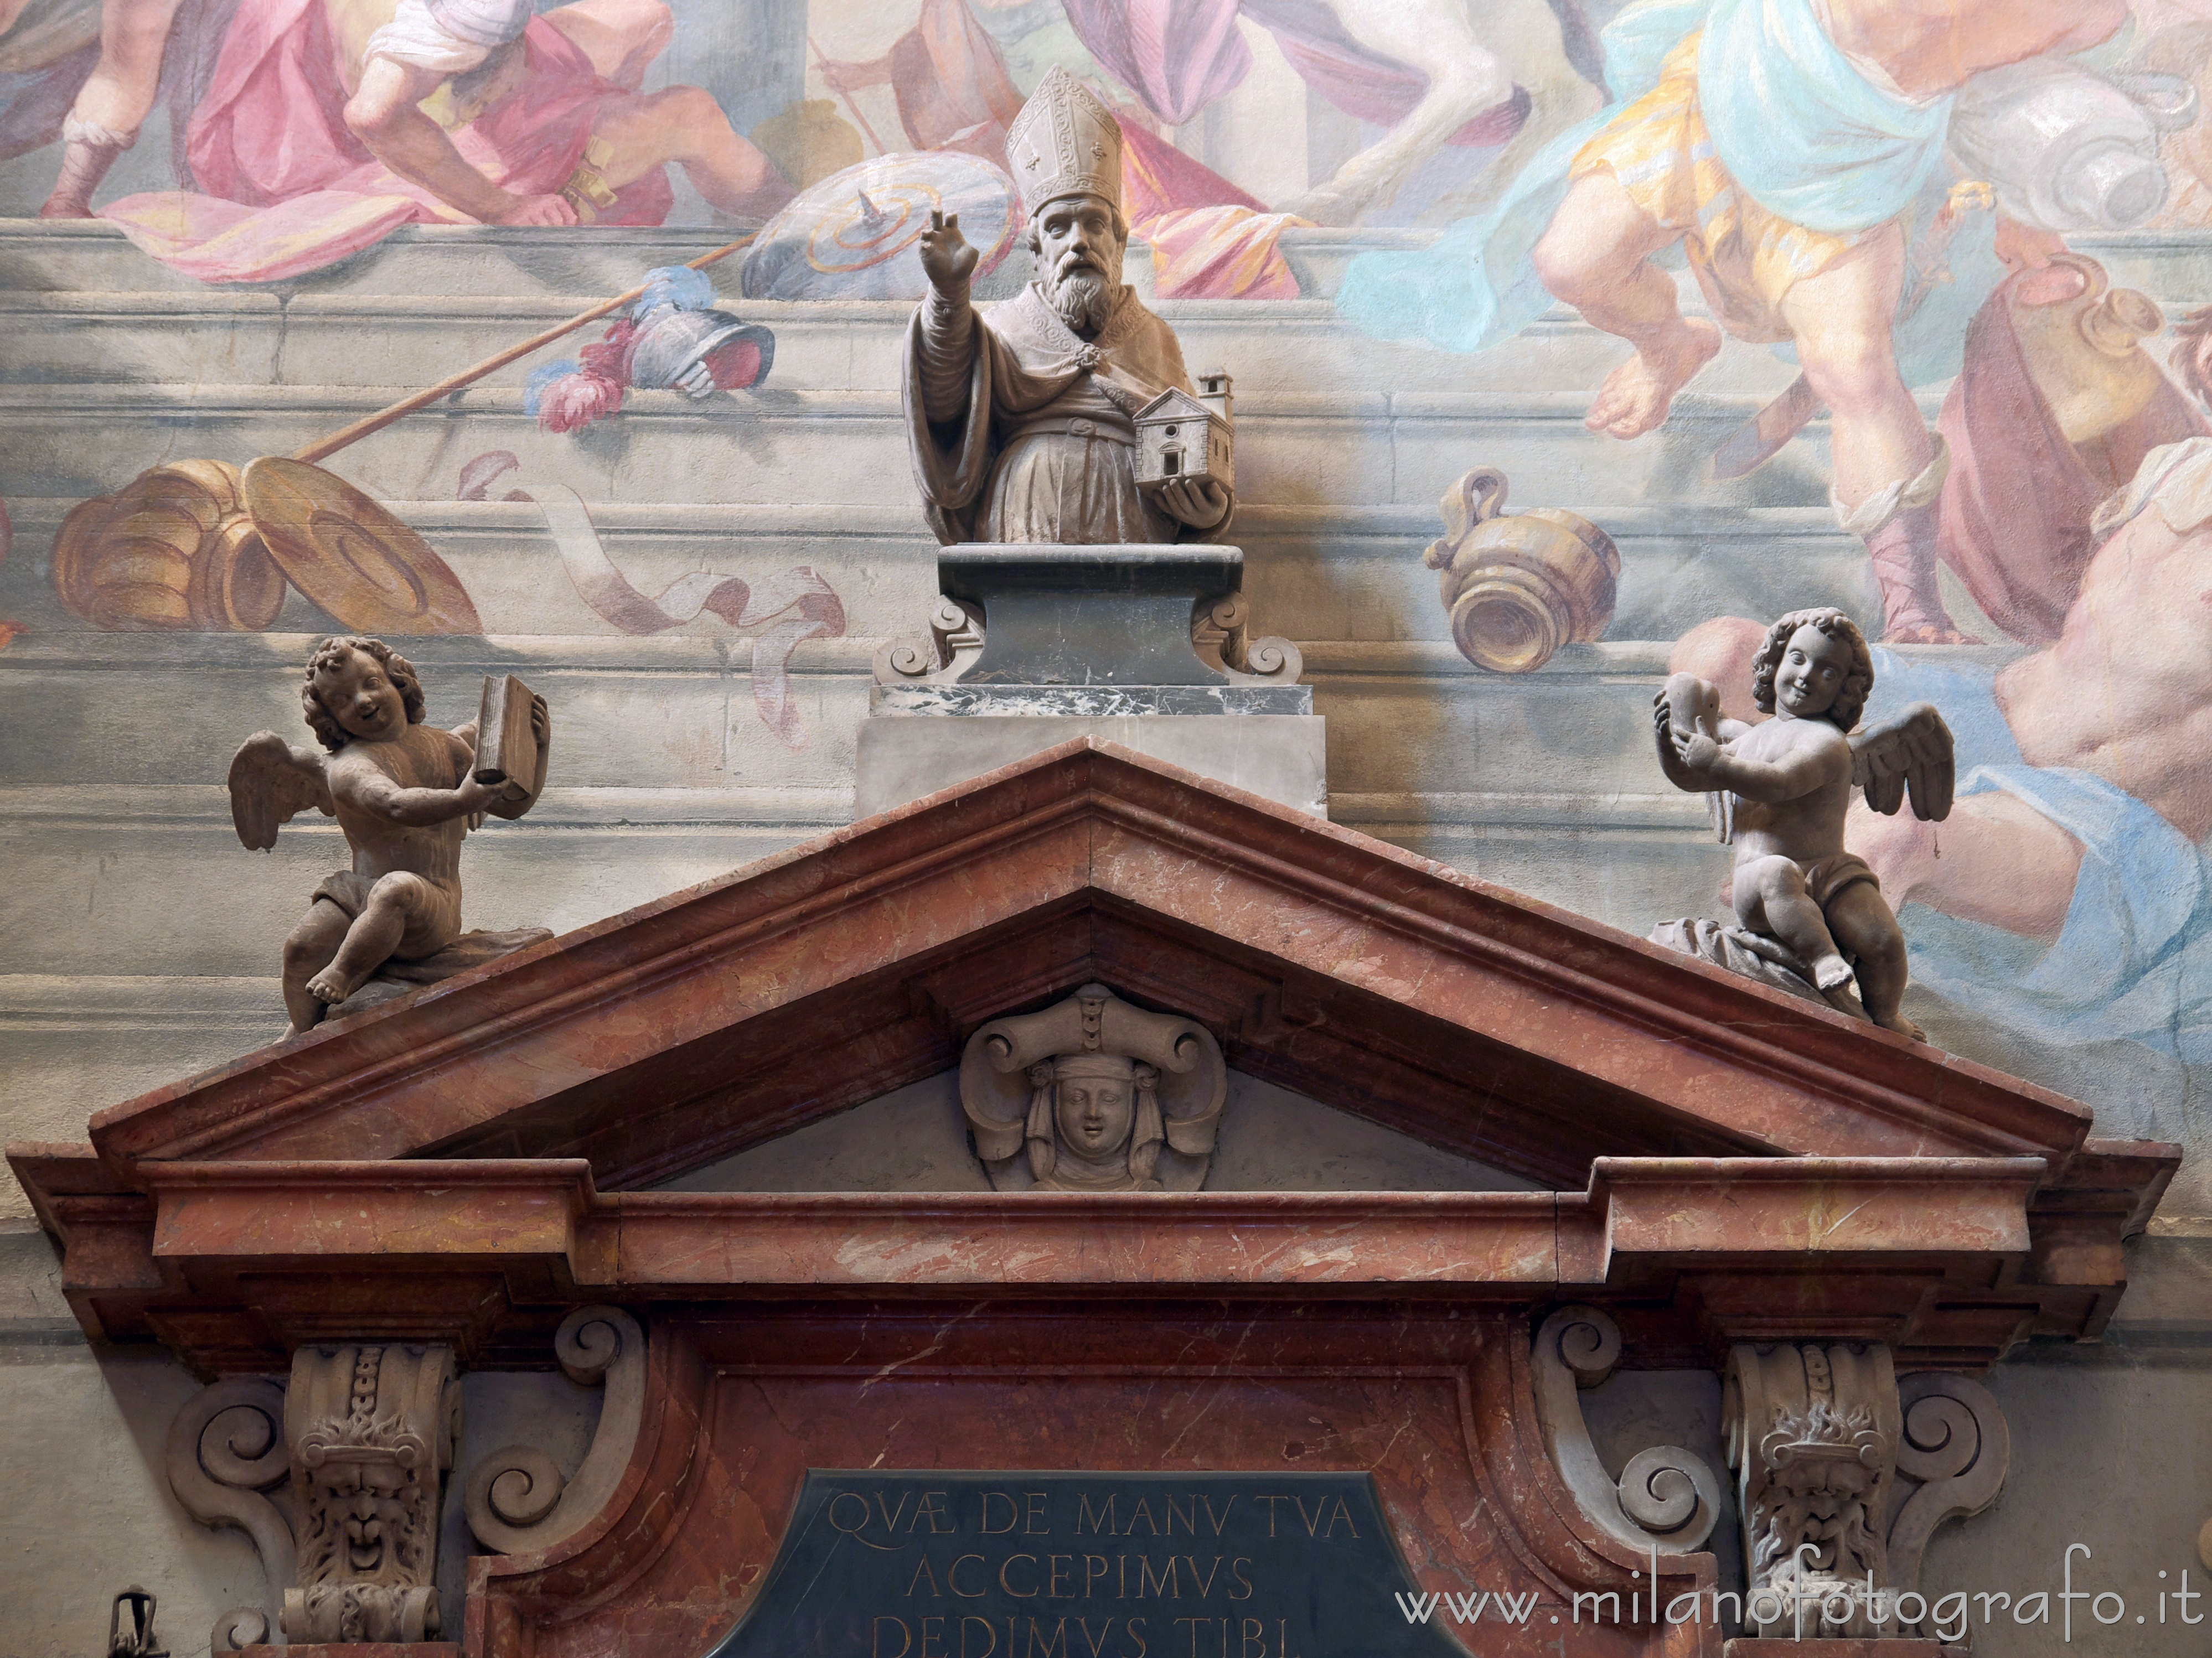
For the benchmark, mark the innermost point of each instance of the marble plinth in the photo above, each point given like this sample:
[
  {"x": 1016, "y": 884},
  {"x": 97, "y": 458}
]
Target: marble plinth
[{"x": 1280, "y": 757}]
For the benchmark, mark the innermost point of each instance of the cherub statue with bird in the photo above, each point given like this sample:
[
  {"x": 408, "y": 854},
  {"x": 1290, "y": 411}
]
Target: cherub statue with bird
[
  {"x": 405, "y": 793},
  {"x": 1779, "y": 791}
]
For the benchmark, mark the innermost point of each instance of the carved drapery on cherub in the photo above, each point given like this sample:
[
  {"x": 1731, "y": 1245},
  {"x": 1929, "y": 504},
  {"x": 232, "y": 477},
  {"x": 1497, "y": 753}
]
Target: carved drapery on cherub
[
  {"x": 1094, "y": 1095},
  {"x": 405, "y": 793},
  {"x": 1811, "y": 913}
]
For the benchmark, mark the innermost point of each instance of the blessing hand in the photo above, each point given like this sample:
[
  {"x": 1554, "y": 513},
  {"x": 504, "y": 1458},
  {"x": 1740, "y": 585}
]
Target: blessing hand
[{"x": 947, "y": 260}]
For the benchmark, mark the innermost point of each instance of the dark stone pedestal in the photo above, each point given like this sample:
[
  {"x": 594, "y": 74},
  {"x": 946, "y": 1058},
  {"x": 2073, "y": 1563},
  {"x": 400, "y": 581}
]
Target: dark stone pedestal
[{"x": 1093, "y": 641}]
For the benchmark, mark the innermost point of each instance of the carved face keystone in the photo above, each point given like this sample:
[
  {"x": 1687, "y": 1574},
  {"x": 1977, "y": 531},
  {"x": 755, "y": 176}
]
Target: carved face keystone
[{"x": 1096, "y": 1113}]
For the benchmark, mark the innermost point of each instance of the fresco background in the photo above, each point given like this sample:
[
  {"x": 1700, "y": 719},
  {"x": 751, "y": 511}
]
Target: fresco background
[{"x": 138, "y": 940}]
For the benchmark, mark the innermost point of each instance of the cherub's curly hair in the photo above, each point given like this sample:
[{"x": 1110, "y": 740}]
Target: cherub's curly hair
[
  {"x": 1857, "y": 683},
  {"x": 330, "y": 653}
]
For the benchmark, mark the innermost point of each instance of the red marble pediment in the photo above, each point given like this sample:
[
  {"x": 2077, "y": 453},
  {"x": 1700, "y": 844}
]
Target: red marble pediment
[{"x": 505, "y": 1122}]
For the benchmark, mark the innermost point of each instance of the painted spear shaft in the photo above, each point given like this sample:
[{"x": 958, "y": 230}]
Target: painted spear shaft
[{"x": 361, "y": 429}]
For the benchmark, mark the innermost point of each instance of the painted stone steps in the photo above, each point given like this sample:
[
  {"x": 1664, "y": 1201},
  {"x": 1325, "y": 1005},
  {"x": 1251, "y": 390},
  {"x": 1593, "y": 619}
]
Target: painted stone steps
[
  {"x": 226, "y": 336},
  {"x": 474, "y": 259},
  {"x": 786, "y": 445},
  {"x": 1313, "y": 573}
]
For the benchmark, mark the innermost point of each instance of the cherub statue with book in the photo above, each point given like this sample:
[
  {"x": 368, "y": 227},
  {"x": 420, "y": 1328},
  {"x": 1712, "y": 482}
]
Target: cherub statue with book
[
  {"x": 1779, "y": 791},
  {"x": 405, "y": 793}
]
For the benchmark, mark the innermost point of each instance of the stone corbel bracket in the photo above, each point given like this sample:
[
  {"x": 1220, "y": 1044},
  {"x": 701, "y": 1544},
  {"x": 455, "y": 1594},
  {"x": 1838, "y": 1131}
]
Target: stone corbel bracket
[
  {"x": 956, "y": 640},
  {"x": 226, "y": 1451},
  {"x": 1666, "y": 1501},
  {"x": 516, "y": 1499},
  {"x": 1220, "y": 632},
  {"x": 1955, "y": 1442}
]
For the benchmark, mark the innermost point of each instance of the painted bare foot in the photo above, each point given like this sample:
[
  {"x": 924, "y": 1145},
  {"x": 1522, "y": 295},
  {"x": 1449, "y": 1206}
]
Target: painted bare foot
[
  {"x": 329, "y": 987},
  {"x": 1637, "y": 395},
  {"x": 1931, "y": 633},
  {"x": 58, "y": 206}
]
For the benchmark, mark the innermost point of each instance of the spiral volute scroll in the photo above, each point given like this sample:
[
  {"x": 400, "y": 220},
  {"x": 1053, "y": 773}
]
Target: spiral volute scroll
[
  {"x": 225, "y": 1449},
  {"x": 516, "y": 1498},
  {"x": 1220, "y": 632},
  {"x": 238, "y": 1628},
  {"x": 1956, "y": 1442},
  {"x": 1666, "y": 1500},
  {"x": 956, "y": 637}
]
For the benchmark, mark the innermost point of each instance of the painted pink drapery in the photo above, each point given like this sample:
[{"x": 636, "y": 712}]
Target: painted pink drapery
[
  {"x": 286, "y": 188},
  {"x": 1178, "y": 55},
  {"x": 2017, "y": 505}
]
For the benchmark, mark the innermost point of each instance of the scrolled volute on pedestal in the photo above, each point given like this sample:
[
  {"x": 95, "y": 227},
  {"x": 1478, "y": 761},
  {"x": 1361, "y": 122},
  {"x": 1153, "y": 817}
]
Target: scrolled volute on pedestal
[
  {"x": 516, "y": 1499},
  {"x": 225, "y": 1453},
  {"x": 956, "y": 639},
  {"x": 1666, "y": 1501},
  {"x": 1221, "y": 633}
]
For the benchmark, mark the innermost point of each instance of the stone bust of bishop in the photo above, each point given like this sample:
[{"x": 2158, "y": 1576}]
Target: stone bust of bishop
[{"x": 1019, "y": 419}]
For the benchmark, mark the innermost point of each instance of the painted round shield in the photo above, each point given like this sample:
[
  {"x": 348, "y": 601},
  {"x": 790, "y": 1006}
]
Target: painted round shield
[
  {"x": 856, "y": 234},
  {"x": 363, "y": 565}
]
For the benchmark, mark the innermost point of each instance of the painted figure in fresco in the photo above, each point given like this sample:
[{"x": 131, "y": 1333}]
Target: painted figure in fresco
[
  {"x": 1781, "y": 790},
  {"x": 1020, "y": 419},
  {"x": 1790, "y": 208},
  {"x": 2072, "y": 897},
  {"x": 113, "y": 103},
  {"x": 329, "y": 123},
  {"x": 405, "y": 793}
]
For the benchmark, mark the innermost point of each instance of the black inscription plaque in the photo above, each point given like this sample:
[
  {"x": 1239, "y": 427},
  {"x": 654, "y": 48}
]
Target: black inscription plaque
[{"x": 882, "y": 1564}]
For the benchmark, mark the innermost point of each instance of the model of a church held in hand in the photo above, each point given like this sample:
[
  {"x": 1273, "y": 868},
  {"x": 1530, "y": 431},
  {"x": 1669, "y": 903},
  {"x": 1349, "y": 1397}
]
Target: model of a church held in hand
[{"x": 1187, "y": 437}]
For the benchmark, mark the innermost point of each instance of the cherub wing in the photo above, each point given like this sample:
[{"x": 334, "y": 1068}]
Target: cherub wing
[
  {"x": 272, "y": 782},
  {"x": 1910, "y": 751}
]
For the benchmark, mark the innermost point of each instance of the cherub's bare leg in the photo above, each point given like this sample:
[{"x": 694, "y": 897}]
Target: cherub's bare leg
[
  {"x": 1596, "y": 257},
  {"x": 112, "y": 105},
  {"x": 1770, "y": 897},
  {"x": 396, "y": 901},
  {"x": 1862, "y": 922},
  {"x": 307, "y": 952}
]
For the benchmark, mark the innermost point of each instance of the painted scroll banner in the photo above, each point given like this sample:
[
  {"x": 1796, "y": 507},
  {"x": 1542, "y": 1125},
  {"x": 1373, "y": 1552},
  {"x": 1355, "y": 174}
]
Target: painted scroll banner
[
  {"x": 790, "y": 607},
  {"x": 930, "y": 1564}
]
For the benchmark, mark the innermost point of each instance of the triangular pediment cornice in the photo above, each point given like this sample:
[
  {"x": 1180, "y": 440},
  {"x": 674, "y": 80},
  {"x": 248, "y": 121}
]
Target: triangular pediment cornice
[{"x": 1372, "y": 980}]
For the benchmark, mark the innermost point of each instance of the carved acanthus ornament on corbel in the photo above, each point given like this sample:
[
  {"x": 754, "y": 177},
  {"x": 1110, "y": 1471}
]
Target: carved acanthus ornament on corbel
[
  {"x": 1666, "y": 1500},
  {"x": 225, "y": 1456},
  {"x": 1842, "y": 1475},
  {"x": 516, "y": 1499},
  {"x": 371, "y": 1430}
]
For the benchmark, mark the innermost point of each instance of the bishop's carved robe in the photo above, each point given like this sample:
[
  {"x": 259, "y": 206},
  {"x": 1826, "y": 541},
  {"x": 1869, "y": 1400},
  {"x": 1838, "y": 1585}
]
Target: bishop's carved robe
[{"x": 1021, "y": 431}]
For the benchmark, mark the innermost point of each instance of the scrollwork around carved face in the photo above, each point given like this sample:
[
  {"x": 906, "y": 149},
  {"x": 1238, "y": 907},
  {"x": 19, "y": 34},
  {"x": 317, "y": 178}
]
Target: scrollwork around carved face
[
  {"x": 371, "y": 1430},
  {"x": 1814, "y": 1432},
  {"x": 1093, "y": 1094}
]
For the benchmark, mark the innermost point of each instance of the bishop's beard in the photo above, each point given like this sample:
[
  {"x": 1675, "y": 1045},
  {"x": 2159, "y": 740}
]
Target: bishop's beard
[{"x": 1083, "y": 297}]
